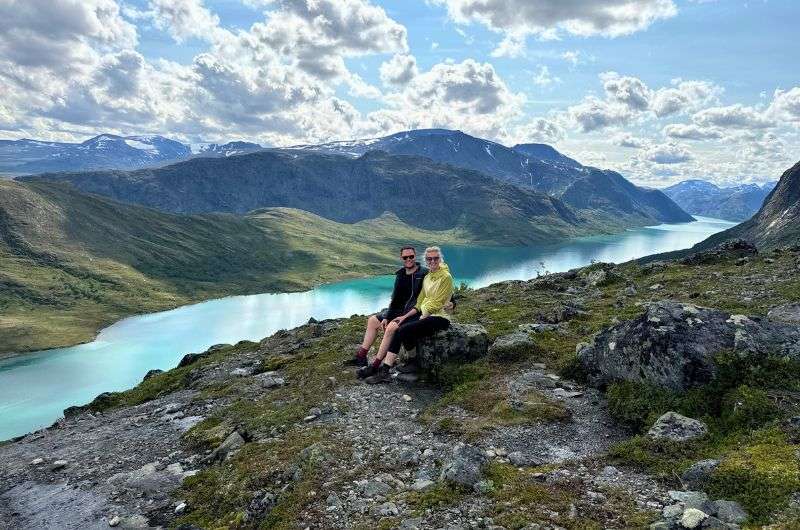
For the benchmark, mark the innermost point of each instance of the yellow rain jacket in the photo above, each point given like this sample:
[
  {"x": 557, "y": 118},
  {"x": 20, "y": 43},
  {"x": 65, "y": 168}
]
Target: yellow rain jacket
[{"x": 437, "y": 289}]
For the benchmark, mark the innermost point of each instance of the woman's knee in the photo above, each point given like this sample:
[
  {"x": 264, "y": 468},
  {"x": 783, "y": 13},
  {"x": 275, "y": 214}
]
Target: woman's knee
[{"x": 373, "y": 322}]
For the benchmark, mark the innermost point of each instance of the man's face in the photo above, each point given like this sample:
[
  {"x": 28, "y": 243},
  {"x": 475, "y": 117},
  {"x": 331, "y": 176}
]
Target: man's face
[
  {"x": 433, "y": 259},
  {"x": 408, "y": 256}
]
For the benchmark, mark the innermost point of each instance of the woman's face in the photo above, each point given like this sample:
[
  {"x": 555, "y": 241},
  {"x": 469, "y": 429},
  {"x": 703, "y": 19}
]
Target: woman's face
[{"x": 433, "y": 260}]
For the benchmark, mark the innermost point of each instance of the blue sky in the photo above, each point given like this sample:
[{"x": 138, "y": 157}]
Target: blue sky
[{"x": 661, "y": 90}]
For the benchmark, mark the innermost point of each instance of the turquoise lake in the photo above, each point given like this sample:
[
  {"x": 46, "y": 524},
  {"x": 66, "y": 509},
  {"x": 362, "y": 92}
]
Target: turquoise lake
[{"x": 36, "y": 387}]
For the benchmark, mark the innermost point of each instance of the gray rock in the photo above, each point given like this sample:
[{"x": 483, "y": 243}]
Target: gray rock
[
  {"x": 673, "y": 345},
  {"x": 713, "y": 523},
  {"x": 483, "y": 487},
  {"x": 730, "y": 512},
  {"x": 537, "y": 328},
  {"x": 408, "y": 456},
  {"x": 412, "y": 524},
  {"x": 421, "y": 484},
  {"x": 660, "y": 525},
  {"x": 696, "y": 476},
  {"x": 373, "y": 488},
  {"x": 270, "y": 380},
  {"x": 114, "y": 521},
  {"x": 228, "y": 448},
  {"x": 465, "y": 466},
  {"x": 520, "y": 459},
  {"x": 693, "y": 499},
  {"x": 387, "y": 509},
  {"x": 785, "y": 313},
  {"x": 692, "y": 518},
  {"x": 512, "y": 346},
  {"x": 58, "y": 465},
  {"x": 241, "y": 372},
  {"x": 152, "y": 373},
  {"x": 460, "y": 342},
  {"x": 677, "y": 428},
  {"x": 673, "y": 511},
  {"x": 261, "y": 504}
]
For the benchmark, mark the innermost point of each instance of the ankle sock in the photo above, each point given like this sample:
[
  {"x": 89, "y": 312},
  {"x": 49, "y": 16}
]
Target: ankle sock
[
  {"x": 362, "y": 352},
  {"x": 377, "y": 363}
]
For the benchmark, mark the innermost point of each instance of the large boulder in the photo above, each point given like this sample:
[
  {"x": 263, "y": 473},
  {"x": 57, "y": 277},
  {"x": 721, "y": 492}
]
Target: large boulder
[
  {"x": 460, "y": 342},
  {"x": 785, "y": 313},
  {"x": 673, "y": 345},
  {"x": 677, "y": 428},
  {"x": 512, "y": 346}
]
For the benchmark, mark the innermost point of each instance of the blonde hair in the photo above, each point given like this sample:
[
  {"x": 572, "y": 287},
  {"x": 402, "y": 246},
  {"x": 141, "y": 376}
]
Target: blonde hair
[{"x": 436, "y": 249}]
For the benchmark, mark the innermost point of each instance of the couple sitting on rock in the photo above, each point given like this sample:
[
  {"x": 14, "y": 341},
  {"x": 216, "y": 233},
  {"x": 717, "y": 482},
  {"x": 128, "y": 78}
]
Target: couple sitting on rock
[{"x": 420, "y": 301}]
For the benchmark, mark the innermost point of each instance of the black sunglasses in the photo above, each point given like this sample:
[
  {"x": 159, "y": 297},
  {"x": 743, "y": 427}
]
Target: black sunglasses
[
  {"x": 433, "y": 258},
  {"x": 406, "y": 258}
]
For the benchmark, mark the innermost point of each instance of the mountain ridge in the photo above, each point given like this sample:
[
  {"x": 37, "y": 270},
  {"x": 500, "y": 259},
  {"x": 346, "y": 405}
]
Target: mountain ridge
[{"x": 732, "y": 203}]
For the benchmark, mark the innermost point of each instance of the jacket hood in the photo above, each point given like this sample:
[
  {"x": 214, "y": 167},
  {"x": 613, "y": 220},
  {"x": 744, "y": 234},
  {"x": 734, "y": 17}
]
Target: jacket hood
[{"x": 443, "y": 269}]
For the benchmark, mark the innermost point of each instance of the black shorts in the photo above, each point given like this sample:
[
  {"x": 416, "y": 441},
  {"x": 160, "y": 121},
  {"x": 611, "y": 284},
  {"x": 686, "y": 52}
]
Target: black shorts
[{"x": 387, "y": 314}]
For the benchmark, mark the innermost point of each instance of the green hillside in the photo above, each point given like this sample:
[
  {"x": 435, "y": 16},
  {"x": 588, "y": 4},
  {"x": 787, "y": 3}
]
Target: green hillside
[{"x": 72, "y": 263}]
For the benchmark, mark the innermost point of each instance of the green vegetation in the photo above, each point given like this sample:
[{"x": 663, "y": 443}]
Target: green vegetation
[{"x": 72, "y": 263}]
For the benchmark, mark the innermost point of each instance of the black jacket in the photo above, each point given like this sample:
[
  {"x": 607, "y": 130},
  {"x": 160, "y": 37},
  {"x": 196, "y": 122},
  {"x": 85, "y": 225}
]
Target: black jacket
[{"x": 403, "y": 306}]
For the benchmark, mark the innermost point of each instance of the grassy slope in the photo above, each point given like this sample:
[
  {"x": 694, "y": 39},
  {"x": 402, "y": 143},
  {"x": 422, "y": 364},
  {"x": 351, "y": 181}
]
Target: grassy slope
[
  {"x": 71, "y": 263},
  {"x": 759, "y": 468}
]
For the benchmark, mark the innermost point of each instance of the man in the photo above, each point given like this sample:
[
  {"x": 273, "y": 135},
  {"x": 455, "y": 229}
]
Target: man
[
  {"x": 407, "y": 284},
  {"x": 427, "y": 316}
]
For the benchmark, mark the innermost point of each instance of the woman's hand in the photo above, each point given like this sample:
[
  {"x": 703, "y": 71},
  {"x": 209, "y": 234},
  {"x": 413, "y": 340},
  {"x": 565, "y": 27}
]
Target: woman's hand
[{"x": 398, "y": 320}]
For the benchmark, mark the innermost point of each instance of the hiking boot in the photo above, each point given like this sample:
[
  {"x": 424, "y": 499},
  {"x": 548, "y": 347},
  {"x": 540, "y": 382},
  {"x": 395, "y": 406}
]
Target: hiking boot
[
  {"x": 381, "y": 375},
  {"x": 366, "y": 371},
  {"x": 408, "y": 368}
]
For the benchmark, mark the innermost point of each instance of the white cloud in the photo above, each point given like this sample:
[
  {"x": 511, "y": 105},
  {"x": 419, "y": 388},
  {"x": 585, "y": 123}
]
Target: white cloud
[
  {"x": 399, "y": 70},
  {"x": 184, "y": 19},
  {"x": 512, "y": 45},
  {"x": 684, "y": 96},
  {"x": 593, "y": 114},
  {"x": 573, "y": 57},
  {"x": 732, "y": 117},
  {"x": 691, "y": 132},
  {"x": 630, "y": 91},
  {"x": 547, "y": 18},
  {"x": 544, "y": 78},
  {"x": 539, "y": 130},
  {"x": 468, "y": 95},
  {"x": 669, "y": 153},
  {"x": 629, "y": 140},
  {"x": 786, "y": 105}
]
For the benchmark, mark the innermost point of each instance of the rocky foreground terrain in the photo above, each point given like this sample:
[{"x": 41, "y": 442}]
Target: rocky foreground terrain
[{"x": 663, "y": 395}]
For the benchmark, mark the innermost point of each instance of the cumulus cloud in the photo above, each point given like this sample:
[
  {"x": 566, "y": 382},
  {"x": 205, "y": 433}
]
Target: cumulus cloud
[
  {"x": 670, "y": 153},
  {"x": 732, "y": 117},
  {"x": 630, "y": 91},
  {"x": 786, "y": 105},
  {"x": 468, "y": 95},
  {"x": 691, "y": 131},
  {"x": 539, "y": 130},
  {"x": 683, "y": 96},
  {"x": 593, "y": 114},
  {"x": 629, "y": 140},
  {"x": 184, "y": 19},
  {"x": 399, "y": 70},
  {"x": 544, "y": 78},
  {"x": 548, "y": 18}
]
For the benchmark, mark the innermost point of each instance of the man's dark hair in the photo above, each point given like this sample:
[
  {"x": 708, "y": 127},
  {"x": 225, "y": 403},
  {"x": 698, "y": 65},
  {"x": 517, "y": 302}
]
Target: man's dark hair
[{"x": 408, "y": 247}]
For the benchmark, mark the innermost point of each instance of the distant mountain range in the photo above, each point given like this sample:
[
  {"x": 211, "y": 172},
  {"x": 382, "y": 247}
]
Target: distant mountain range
[
  {"x": 420, "y": 192},
  {"x": 598, "y": 194},
  {"x": 106, "y": 151},
  {"x": 776, "y": 224},
  {"x": 735, "y": 203}
]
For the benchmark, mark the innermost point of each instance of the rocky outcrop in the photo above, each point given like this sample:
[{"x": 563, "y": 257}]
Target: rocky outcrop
[
  {"x": 738, "y": 248},
  {"x": 465, "y": 466},
  {"x": 673, "y": 345},
  {"x": 677, "y": 428},
  {"x": 785, "y": 313},
  {"x": 460, "y": 342}
]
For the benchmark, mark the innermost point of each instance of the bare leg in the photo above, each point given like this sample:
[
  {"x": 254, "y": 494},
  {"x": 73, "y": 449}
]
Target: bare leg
[
  {"x": 391, "y": 328},
  {"x": 390, "y": 359},
  {"x": 373, "y": 325}
]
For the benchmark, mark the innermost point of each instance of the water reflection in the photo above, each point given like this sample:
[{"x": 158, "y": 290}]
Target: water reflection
[{"x": 36, "y": 387}]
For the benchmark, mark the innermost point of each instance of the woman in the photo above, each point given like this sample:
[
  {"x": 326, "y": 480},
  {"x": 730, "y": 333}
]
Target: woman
[{"x": 425, "y": 318}]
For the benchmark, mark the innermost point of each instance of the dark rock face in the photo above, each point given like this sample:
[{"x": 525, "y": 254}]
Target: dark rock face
[
  {"x": 460, "y": 342},
  {"x": 696, "y": 476},
  {"x": 673, "y": 345},
  {"x": 737, "y": 248}
]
